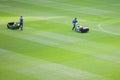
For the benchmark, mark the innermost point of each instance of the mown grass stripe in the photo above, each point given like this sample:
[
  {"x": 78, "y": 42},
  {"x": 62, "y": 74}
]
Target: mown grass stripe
[
  {"x": 80, "y": 47},
  {"x": 41, "y": 69}
]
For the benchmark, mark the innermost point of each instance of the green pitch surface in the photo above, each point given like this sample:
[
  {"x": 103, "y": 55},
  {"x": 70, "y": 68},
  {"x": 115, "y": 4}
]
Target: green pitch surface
[{"x": 47, "y": 48}]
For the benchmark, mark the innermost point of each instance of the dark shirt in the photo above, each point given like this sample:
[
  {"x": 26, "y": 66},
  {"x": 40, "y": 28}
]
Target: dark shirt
[
  {"x": 74, "y": 21},
  {"x": 21, "y": 20}
]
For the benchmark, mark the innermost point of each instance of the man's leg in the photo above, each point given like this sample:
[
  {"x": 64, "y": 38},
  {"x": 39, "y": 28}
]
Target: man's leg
[
  {"x": 21, "y": 26},
  {"x": 73, "y": 27}
]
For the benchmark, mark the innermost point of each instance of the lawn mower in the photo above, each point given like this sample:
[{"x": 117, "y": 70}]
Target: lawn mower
[
  {"x": 13, "y": 25},
  {"x": 82, "y": 29}
]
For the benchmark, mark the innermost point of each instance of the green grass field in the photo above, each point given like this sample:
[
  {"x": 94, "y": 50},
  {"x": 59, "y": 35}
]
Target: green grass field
[{"x": 47, "y": 48}]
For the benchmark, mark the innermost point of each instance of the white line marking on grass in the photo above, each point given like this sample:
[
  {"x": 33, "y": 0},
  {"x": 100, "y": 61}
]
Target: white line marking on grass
[
  {"x": 104, "y": 30},
  {"x": 42, "y": 69}
]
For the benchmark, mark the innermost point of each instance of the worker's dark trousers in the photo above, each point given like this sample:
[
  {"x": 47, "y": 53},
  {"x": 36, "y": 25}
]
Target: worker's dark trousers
[
  {"x": 73, "y": 26},
  {"x": 21, "y": 26}
]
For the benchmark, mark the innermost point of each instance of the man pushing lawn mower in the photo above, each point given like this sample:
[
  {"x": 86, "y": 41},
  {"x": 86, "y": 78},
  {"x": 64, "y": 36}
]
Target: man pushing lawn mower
[
  {"x": 16, "y": 25},
  {"x": 77, "y": 28}
]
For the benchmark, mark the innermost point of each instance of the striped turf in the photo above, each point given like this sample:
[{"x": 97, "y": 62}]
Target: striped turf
[{"x": 47, "y": 48}]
